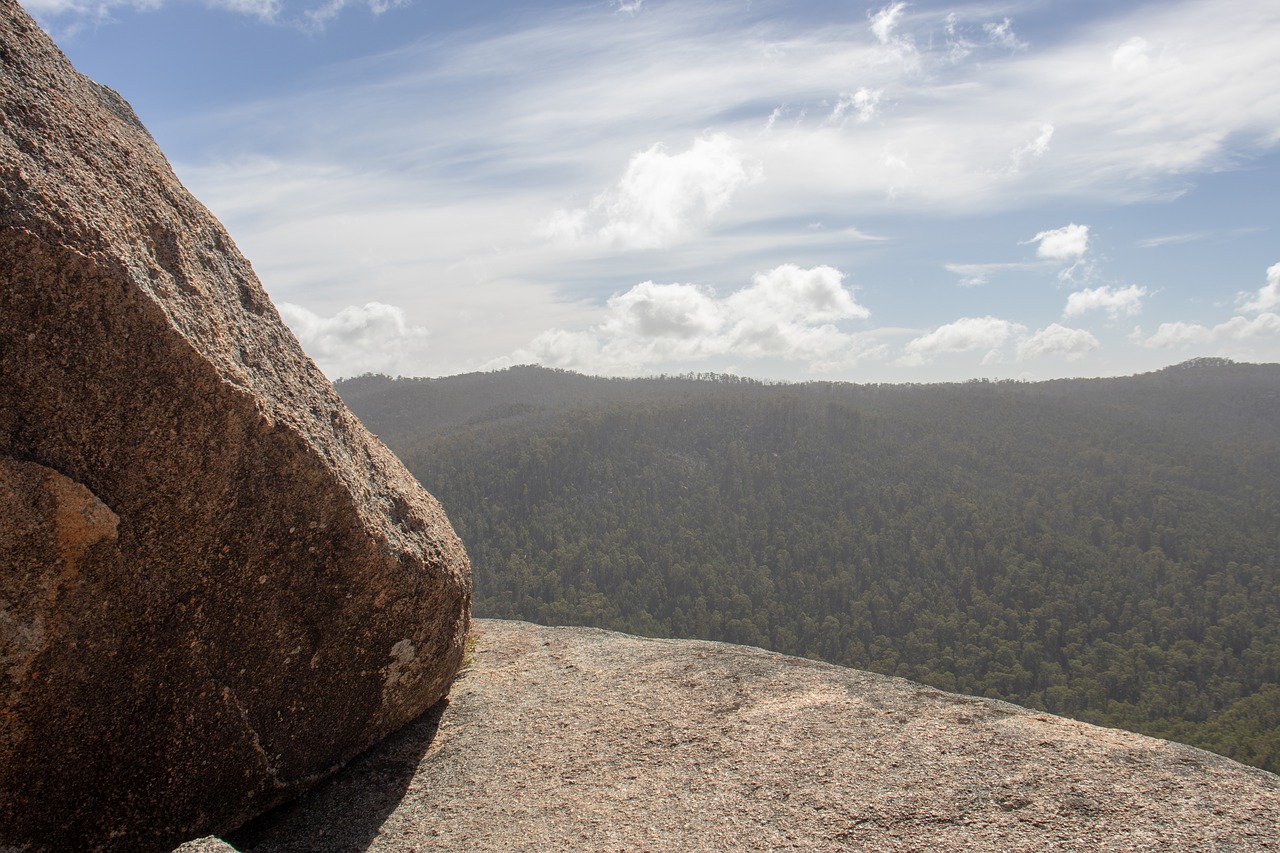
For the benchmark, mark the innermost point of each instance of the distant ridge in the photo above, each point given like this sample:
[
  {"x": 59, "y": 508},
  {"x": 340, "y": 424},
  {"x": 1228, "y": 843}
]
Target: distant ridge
[
  {"x": 1102, "y": 548},
  {"x": 406, "y": 408}
]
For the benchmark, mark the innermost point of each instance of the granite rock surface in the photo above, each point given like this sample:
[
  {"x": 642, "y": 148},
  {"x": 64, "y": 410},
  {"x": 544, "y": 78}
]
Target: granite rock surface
[
  {"x": 216, "y": 586},
  {"x": 576, "y": 739}
]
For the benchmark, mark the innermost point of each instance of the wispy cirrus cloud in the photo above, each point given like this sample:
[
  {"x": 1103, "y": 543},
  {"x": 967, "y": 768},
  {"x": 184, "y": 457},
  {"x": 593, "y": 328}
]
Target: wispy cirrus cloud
[
  {"x": 1002, "y": 33},
  {"x": 590, "y": 147},
  {"x": 1172, "y": 239},
  {"x": 1054, "y": 247},
  {"x": 974, "y": 275},
  {"x": 885, "y": 20},
  {"x": 71, "y": 15}
]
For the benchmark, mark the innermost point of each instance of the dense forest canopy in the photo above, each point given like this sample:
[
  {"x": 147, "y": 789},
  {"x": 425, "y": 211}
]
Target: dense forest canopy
[{"x": 1107, "y": 549}]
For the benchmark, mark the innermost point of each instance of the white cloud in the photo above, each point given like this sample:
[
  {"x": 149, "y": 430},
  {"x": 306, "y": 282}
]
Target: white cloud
[
  {"x": 661, "y": 197},
  {"x": 858, "y": 235},
  {"x": 679, "y": 311},
  {"x": 1033, "y": 148},
  {"x": 1063, "y": 244},
  {"x": 958, "y": 47},
  {"x": 1169, "y": 239},
  {"x": 791, "y": 294},
  {"x": 787, "y": 313},
  {"x": 359, "y": 339},
  {"x": 488, "y": 136},
  {"x": 990, "y": 335},
  {"x": 884, "y": 21},
  {"x": 1115, "y": 301},
  {"x": 1268, "y": 295},
  {"x": 1178, "y": 334},
  {"x": 302, "y": 15},
  {"x": 1003, "y": 35},
  {"x": 1236, "y": 330},
  {"x": 967, "y": 334},
  {"x": 1242, "y": 329},
  {"x": 1057, "y": 340},
  {"x": 1132, "y": 56},
  {"x": 864, "y": 102},
  {"x": 973, "y": 275}
]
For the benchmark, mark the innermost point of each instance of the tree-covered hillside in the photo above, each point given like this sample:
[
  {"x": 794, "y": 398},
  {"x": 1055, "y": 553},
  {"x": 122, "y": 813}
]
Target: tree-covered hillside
[{"x": 1103, "y": 549}]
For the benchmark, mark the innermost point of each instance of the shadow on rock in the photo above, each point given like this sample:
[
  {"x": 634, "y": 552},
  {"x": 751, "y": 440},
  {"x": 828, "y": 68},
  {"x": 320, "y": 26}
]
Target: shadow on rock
[{"x": 346, "y": 812}]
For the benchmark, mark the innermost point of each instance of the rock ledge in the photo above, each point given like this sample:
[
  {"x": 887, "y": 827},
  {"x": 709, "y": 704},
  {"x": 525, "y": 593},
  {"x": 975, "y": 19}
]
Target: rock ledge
[{"x": 580, "y": 739}]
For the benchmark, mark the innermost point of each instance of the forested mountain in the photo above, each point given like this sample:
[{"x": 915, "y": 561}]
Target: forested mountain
[{"x": 1107, "y": 549}]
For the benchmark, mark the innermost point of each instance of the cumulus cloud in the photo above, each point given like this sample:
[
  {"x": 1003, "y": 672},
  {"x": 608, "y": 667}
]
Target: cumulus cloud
[
  {"x": 791, "y": 294},
  {"x": 1057, "y": 340},
  {"x": 990, "y": 336},
  {"x": 375, "y": 337},
  {"x": 967, "y": 334},
  {"x": 1268, "y": 295},
  {"x": 1067, "y": 245},
  {"x": 1063, "y": 244},
  {"x": 522, "y": 144},
  {"x": 1115, "y": 301},
  {"x": 788, "y": 313},
  {"x": 660, "y": 197},
  {"x": 1178, "y": 334},
  {"x": 677, "y": 311},
  {"x": 1236, "y": 330}
]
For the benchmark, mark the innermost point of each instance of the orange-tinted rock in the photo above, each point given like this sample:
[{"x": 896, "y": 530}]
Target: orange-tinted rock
[{"x": 215, "y": 585}]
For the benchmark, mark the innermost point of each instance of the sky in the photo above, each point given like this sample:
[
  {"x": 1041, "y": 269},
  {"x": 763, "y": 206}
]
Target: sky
[{"x": 783, "y": 189}]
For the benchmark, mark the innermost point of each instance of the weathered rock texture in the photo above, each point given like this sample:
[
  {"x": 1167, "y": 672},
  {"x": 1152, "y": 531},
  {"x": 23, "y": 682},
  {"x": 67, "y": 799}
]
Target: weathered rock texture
[
  {"x": 215, "y": 585},
  {"x": 579, "y": 739}
]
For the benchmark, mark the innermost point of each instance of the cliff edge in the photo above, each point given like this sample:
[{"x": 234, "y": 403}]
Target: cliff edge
[{"x": 581, "y": 739}]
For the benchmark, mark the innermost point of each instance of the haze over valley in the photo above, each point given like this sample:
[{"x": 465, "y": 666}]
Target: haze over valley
[{"x": 1106, "y": 549}]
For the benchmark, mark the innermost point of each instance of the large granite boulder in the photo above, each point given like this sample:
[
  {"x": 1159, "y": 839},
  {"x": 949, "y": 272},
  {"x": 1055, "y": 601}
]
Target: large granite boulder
[{"x": 216, "y": 586}]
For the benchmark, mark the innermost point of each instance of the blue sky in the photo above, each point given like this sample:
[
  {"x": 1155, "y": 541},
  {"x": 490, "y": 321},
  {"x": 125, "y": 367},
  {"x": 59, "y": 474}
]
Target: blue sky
[{"x": 885, "y": 192}]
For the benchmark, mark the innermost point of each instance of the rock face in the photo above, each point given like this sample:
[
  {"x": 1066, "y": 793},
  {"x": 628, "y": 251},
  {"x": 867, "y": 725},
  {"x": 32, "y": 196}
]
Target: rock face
[
  {"x": 215, "y": 585},
  {"x": 580, "y": 739}
]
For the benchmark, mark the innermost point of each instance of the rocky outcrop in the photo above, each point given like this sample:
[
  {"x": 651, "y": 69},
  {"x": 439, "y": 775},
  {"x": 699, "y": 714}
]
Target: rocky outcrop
[
  {"x": 580, "y": 739},
  {"x": 215, "y": 586}
]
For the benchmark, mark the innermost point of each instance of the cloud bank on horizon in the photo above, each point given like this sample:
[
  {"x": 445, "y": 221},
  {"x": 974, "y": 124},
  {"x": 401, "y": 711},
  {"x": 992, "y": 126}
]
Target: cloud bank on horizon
[{"x": 897, "y": 192}]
